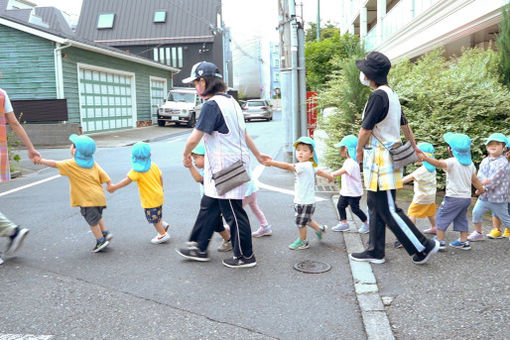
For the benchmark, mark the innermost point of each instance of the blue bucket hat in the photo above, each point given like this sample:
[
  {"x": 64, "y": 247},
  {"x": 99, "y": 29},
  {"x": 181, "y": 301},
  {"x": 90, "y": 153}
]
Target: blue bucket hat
[
  {"x": 351, "y": 143},
  {"x": 460, "y": 145},
  {"x": 309, "y": 141},
  {"x": 85, "y": 149},
  {"x": 497, "y": 137},
  {"x": 199, "y": 150},
  {"x": 141, "y": 157},
  {"x": 427, "y": 149}
]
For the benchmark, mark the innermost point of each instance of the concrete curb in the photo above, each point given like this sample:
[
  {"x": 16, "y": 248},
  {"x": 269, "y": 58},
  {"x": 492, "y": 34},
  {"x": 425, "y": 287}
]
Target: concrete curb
[{"x": 375, "y": 319}]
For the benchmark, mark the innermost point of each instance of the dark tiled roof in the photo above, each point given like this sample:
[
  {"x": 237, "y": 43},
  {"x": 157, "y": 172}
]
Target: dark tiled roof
[
  {"x": 186, "y": 21},
  {"x": 54, "y": 18},
  {"x": 73, "y": 38}
]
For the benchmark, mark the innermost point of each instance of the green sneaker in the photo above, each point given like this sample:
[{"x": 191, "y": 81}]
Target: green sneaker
[
  {"x": 320, "y": 232},
  {"x": 299, "y": 244}
]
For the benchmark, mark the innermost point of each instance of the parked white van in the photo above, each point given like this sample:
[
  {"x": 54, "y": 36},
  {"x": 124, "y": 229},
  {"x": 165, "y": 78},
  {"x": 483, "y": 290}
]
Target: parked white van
[{"x": 182, "y": 106}]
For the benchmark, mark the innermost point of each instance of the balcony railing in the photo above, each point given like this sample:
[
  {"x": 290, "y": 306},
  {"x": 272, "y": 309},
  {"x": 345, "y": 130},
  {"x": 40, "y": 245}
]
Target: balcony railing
[{"x": 397, "y": 18}]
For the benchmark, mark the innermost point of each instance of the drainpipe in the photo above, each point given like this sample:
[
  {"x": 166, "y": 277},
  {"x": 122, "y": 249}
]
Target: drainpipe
[{"x": 59, "y": 76}]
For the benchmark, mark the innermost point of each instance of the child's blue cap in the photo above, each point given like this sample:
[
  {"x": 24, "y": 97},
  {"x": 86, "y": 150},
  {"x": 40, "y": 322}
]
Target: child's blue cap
[
  {"x": 508, "y": 142},
  {"x": 427, "y": 149},
  {"x": 85, "y": 149},
  {"x": 460, "y": 145},
  {"x": 497, "y": 137},
  {"x": 141, "y": 157},
  {"x": 309, "y": 141},
  {"x": 199, "y": 150},
  {"x": 351, "y": 143}
]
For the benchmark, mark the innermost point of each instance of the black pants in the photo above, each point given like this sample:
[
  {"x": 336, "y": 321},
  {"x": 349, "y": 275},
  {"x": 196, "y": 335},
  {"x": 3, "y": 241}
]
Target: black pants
[
  {"x": 344, "y": 202},
  {"x": 209, "y": 216},
  {"x": 384, "y": 212}
]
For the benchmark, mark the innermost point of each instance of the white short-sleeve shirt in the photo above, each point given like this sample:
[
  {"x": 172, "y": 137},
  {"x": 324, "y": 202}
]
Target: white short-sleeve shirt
[
  {"x": 304, "y": 187},
  {"x": 458, "y": 178}
]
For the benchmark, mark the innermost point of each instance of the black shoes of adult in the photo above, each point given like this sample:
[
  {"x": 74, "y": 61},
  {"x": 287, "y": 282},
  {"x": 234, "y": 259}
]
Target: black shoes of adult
[
  {"x": 366, "y": 257},
  {"x": 193, "y": 253},
  {"x": 240, "y": 262},
  {"x": 431, "y": 248}
]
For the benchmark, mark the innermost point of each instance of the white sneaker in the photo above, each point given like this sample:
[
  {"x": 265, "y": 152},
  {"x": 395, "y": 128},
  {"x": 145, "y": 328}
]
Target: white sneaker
[
  {"x": 364, "y": 229},
  {"x": 1, "y": 260},
  {"x": 160, "y": 238}
]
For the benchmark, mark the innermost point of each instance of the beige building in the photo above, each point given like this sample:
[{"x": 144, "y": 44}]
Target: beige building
[{"x": 410, "y": 28}]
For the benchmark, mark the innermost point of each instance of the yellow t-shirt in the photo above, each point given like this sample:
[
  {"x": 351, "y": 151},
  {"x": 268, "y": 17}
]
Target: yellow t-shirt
[
  {"x": 149, "y": 186},
  {"x": 85, "y": 184}
]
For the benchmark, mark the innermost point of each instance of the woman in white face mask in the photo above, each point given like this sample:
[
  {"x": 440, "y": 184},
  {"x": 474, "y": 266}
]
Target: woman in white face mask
[{"x": 380, "y": 129}]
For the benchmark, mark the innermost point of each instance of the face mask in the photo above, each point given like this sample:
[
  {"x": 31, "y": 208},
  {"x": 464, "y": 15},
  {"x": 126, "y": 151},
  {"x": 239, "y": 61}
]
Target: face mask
[{"x": 363, "y": 80}]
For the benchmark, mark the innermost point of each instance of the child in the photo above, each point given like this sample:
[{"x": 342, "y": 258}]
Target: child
[
  {"x": 86, "y": 178},
  {"x": 198, "y": 175},
  {"x": 496, "y": 222},
  {"x": 352, "y": 189},
  {"x": 424, "y": 199},
  {"x": 460, "y": 175},
  {"x": 150, "y": 187},
  {"x": 304, "y": 194},
  {"x": 494, "y": 174}
]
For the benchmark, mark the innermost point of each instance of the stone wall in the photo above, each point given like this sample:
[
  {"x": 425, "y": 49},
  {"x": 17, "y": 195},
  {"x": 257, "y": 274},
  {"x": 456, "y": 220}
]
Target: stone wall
[{"x": 50, "y": 134}]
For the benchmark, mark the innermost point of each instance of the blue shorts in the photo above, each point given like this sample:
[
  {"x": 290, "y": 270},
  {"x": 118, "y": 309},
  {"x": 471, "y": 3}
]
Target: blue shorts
[
  {"x": 453, "y": 209},
  {"x": 154, "y": 215}
]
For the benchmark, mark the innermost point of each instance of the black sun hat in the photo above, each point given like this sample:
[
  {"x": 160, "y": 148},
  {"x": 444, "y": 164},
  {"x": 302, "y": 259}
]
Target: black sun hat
[{"x": 375, "y": 66}]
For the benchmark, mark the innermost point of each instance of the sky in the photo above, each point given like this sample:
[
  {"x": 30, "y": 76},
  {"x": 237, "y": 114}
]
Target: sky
[{"x": 245, "y": 17}]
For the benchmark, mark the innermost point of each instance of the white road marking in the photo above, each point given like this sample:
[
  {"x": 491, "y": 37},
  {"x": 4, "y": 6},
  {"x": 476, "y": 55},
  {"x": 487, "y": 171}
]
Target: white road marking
[
  {"x": 257, "y": 172},
  {"x": 24, "y": 337},
  {"x": 176, "y": 140},
  {"x": 28, "y": 186}
]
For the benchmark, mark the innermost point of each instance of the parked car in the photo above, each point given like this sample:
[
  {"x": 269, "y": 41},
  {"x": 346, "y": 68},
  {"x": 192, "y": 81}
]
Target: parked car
[
  {"x": 181, "y": 107},
  {"x": 257, "y": 109}
]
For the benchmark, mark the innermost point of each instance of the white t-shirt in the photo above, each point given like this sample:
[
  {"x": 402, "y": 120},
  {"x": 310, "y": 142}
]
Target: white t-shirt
[
  {"x": 351, "y": 181},
  {"x": 458, "y": 178},
  {"x": 304, "y": 187},
  {"x": 424, "y": 186},
  {"x": 7, "y": 105}
]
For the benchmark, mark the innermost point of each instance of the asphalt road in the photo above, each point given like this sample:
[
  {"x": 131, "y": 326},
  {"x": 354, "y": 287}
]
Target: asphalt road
[{"x": 56, "y": 286}]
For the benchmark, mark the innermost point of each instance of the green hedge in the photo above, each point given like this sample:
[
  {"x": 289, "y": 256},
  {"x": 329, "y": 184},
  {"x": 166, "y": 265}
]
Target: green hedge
[{"x": 437, "y": 95}]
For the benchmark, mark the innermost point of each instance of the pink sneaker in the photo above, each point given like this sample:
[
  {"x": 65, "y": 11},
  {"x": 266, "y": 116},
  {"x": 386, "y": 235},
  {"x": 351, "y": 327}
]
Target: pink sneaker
[
  {"x": 475, "y": 236},
  {"x": 262, "y": 231}
]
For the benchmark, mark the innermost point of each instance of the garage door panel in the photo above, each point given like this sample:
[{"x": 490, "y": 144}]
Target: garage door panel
[{"x": 105, "y": 100}]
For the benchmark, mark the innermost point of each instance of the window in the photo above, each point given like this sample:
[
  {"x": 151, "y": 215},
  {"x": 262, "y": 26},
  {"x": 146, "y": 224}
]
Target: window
[
  {"x": 105, "y": 20},
  {"x": 179, "y": 56},
  {"x": 171, "y": 56},
  {"x": 160, "y": 16}
]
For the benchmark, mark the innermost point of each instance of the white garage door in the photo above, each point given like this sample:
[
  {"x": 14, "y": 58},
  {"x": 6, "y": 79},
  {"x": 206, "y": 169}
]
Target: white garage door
[
  {"x": 158, "y": 94},
  {"x": 107, "y": 99}
]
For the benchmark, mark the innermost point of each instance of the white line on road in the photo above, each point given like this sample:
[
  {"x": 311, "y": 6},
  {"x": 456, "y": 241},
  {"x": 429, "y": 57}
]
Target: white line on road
[
  {"x": 29, "y": 185},
  {"x": 256, "y": 174},
  {"x": 176, "y": 140},
  {"x": 24, "y": 337}
]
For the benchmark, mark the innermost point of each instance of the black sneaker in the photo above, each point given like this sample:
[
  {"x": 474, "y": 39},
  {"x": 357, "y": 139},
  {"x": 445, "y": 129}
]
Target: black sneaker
[
  {"x": 397, "y": 244},
  {"x": 100, "y": 245},
  {"x": 16, "y": 240},
  {"x": 193, "y": 253},
  {"x": 240, "y": 262},
  {"x": 431, "y": 248},
  {"x": 366, "y": 257}
]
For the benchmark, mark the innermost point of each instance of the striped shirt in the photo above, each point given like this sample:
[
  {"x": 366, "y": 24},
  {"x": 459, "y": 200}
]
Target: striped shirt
[{"x": 424, "y": 186}]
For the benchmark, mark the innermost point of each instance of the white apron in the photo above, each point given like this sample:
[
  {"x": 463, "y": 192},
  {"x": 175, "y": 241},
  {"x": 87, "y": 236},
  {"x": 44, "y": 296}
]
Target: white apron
[{"x": 222, "y": 150}]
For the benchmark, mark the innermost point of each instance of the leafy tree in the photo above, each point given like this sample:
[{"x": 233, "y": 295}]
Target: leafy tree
[
  {"x": 503, "y": 43},
  {"x": 326, "y": 32},
  {"x": 319, "y": 56}
]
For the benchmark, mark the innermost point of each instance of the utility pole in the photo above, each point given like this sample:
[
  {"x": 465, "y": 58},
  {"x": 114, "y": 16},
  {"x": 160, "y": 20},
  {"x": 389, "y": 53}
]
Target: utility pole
[
  {"x": 318, "y": 25},
  {"x": 292, "y": 75}
]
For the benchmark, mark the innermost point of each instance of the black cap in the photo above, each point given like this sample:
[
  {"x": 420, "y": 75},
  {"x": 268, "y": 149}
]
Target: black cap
[
  {"x": 202, "y": 69},
  {"x": 375, "y": 66}
]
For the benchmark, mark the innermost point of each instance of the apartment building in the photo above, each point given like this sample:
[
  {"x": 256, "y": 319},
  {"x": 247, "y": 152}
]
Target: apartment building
[{"x": 410, "y": 28}]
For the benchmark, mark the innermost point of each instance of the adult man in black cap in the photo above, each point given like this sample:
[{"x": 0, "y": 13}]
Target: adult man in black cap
[{"x": 380, "y": 129}]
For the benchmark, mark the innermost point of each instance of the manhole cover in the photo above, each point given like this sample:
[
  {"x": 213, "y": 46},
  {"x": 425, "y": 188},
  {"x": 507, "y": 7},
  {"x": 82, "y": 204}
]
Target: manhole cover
[{"x": 312, "y": 267}]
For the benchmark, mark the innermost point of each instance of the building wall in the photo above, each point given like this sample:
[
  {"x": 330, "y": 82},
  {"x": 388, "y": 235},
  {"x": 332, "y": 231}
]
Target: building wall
[
  {"x": 27, "y": 65},
  {"x": 142, "y": 81}
]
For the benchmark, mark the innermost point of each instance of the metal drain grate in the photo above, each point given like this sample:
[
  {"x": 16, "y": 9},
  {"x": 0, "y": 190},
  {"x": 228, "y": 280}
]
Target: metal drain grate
[{"x": 312, "y": 267}]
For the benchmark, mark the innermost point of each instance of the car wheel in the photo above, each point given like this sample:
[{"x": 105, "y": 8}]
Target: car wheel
[
  {"x": 192, "y": 121},
  {"x": 161, "y": 122}
]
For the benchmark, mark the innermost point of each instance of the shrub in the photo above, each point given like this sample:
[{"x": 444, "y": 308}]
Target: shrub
[{"x": 503, "y": 43}]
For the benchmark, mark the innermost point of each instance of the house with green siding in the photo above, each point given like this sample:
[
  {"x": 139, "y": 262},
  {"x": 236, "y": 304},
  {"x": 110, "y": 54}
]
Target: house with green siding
[{"x": 105, "y": 88}]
